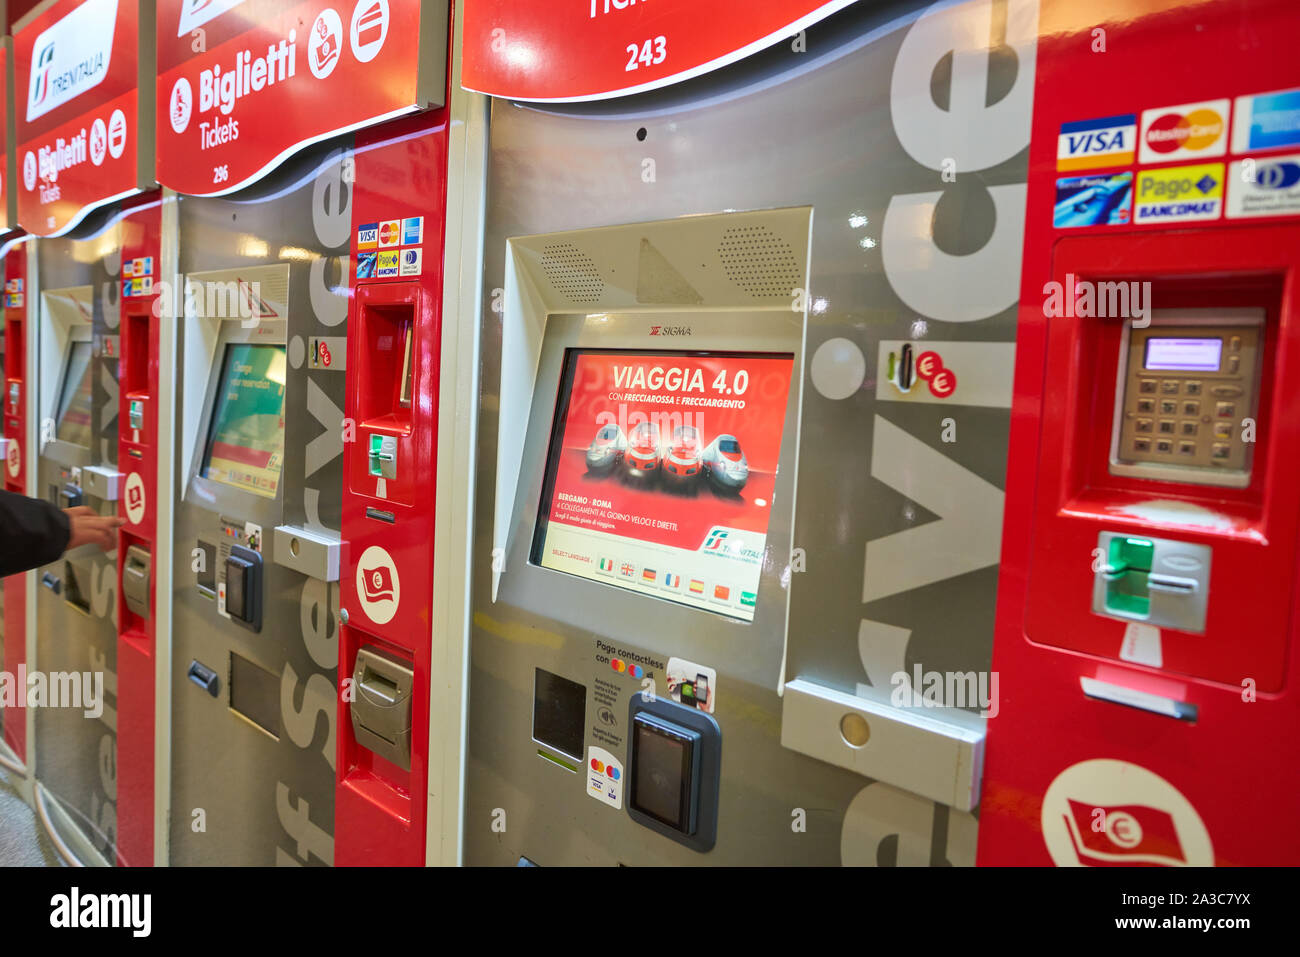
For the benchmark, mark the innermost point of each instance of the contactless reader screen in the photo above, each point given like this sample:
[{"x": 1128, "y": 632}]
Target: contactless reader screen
[
  {"x": 661, "y": 471},
  {"x": 662, "y": 764},
  {"x": 246, "y": 439},
  {"x": 1183, "y": 355}
]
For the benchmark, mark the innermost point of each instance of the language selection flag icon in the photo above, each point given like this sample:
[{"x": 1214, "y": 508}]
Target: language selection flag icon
[
  {"x": 1129, "y": 834},
  {"x": 672, "y": 581},
  {"x": 649, "y": 575},
  {"x": 627, "y": 570},
  {"x": 721, "y": 592},
  {"x": 697, "y": 587},
  {"x": 607, "y": 565}
]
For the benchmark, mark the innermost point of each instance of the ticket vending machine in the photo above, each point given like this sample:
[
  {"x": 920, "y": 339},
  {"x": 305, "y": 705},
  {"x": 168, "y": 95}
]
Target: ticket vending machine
[
  {"x": 1147, "y": 622},
  {"x": 137, "y": 457},
  {"x": 78, "y": 348},
  {"x": 254, "y": 604},
  {"x": 739, "y": 640},
  {"x": 13, "y": 718}
]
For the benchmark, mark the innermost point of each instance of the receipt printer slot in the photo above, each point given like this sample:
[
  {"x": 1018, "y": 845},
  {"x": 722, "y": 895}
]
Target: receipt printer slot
[
  {"x": 135, "y": 581},
  {"x": 381, "y": 713}
]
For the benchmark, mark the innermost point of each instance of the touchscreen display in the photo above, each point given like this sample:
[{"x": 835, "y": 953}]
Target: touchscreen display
[
  {"x": 246, "y": 437},
  {"x": 661, "y": 471},
  {"x": 74, "y": 422}
]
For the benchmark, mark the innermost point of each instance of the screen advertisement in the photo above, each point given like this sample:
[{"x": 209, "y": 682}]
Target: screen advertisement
[
  {"x": 661, "y": 471},
  {"x": 246, "y": 440}
]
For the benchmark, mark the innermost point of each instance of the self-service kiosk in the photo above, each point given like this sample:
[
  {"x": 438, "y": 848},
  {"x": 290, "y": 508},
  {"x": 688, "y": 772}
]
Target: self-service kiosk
[
  {"x": 255, "y": 604},
  {"x": 1147, "y": 616},
  {"x": 747, "y": 342},
  {"x": 76, "y": 311}
]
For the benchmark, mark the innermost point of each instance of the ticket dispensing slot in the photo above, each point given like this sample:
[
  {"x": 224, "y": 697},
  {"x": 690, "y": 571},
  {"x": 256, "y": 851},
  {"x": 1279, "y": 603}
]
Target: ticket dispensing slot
[
  {"x": 135, "y": 581},
  {"x": 381, "y": 713},
  {"x": 386, "y": 386}
]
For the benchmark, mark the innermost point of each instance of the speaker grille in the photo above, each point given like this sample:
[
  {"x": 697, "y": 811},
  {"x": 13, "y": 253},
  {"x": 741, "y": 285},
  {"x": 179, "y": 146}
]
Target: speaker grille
[
  {"x": 572, "y": 273},
  {"x": 759, "y": 261}
]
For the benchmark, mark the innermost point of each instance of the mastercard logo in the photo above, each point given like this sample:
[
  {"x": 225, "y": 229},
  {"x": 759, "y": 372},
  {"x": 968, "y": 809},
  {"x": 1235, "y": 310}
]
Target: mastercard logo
[{"x": 1192, "y": 131}]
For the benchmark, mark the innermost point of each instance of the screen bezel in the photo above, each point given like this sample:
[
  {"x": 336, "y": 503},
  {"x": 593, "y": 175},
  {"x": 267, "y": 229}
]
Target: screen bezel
[
  {"x": 569, "y": 601},
  {"x": 63, "y": 397},
  {"x": 555, "y": 446},
  {"x": 225, "y": 351},
  {"x": 1152, "y": 340},
  {"x": 218, "y": 496}
]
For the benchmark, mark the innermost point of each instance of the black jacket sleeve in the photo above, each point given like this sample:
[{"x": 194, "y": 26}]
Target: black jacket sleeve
[{"x": 32, "y": 533}]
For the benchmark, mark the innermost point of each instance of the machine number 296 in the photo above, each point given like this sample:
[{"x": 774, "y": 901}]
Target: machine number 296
[
  {"x": 220, "y": 174},
  {"x": 651, "y": 53}
]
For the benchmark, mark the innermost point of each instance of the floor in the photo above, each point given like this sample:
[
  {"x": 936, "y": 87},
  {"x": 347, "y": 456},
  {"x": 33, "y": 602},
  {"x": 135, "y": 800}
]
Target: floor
[{"x": 23, "y": 842}]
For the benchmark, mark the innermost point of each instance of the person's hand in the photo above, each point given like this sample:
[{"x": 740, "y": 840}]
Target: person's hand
[{"x": 90, "y": 528}]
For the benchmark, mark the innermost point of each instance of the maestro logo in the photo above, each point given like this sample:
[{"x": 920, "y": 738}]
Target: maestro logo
[
  {"x": 325, "y": 43},
  {"x": 379, "y": 587},
  {"x": 1180, "y": 132},
  {"x": 180, "y": 105}
]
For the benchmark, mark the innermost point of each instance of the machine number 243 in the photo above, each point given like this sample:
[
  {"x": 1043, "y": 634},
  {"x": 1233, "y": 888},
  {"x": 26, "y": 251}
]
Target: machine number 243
[{"x": 651, "y": 53}]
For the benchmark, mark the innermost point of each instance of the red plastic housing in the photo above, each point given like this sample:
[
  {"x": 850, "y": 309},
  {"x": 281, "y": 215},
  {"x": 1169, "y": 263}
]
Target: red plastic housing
[
  {"x": 15, "y": 480},
  {"x": 1211, "y": 789},
  {"x": 386, "y": 573},
  {"x": 137, "y": 455}
]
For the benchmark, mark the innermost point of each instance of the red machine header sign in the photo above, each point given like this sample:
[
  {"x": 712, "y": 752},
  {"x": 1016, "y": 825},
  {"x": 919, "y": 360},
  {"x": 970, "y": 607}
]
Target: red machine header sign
[
  {"x": 599, "y": 49},
  {"x": 242, "y": 85},
  {"x": 83, "y": 139}
]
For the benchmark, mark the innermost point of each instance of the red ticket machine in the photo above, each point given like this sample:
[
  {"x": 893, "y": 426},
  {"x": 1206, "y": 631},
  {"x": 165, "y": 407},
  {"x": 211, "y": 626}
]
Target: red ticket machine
[
  {"x": 136, "y": 602},
  {"x": 394, "y": 335},
  {"x": 1147, "y": 614},
  {"x": 15, "y": 478}
]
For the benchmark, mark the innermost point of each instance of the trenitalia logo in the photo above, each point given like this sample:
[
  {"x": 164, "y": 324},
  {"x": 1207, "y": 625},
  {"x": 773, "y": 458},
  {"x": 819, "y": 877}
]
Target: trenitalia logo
[
  {"x": 71, "y": 57},
  {"x": 195, "y": 13}
]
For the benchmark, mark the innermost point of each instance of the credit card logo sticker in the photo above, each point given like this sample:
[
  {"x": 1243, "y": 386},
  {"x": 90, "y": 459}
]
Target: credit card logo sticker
[
  {"x": 413, "y": 231},
  {"x": 1184, "y": 132},
  {"x": 1266, "y": 121},
  {"x": 411, "y": 262},
  {"x": 1093, "y": 201},
  {"x": 1181, "y": 194},
  {"x": 386, "y": 265},
  {"x": 390, "y": 232},
  {"x": 368, "y": 236},
  {"x": 366, "y": 265},
  {"x": 604, "y": 777},
  {"x": 1088, "y": 144},
  {"x": 1268, "y": 187}
]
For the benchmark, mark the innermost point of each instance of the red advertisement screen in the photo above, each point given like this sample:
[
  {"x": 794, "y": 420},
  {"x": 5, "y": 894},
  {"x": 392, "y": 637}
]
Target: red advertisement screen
[{"x": 661, "y": 472}]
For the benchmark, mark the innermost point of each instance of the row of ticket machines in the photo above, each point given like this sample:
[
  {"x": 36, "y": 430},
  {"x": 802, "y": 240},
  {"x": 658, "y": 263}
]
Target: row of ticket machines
[{"x": 750, "y": 470}]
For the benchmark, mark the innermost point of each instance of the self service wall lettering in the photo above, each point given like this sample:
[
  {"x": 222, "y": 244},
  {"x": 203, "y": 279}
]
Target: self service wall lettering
[
  {"x": 84, "y": 136},
  {"x": 242, "y": 85}
]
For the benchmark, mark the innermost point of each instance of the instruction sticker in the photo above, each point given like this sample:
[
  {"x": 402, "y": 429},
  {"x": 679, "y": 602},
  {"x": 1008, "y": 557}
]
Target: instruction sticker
[
  {"x": 695, "y": 686},
  {"x": 1179, "y": 195}
]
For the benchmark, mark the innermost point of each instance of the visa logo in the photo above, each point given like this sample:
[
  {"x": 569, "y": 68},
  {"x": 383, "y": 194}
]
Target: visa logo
[
  {"x": 1089, "y": 144},
  {"x": 368, "y": 236}
]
